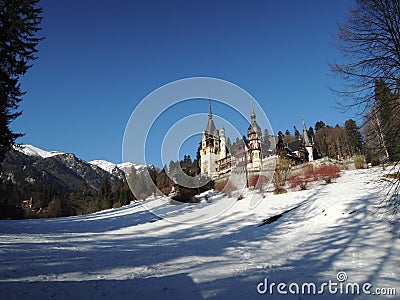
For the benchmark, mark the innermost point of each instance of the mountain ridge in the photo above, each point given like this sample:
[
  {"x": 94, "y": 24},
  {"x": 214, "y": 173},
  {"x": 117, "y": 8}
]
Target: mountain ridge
[{"x": 31, "y": 165}]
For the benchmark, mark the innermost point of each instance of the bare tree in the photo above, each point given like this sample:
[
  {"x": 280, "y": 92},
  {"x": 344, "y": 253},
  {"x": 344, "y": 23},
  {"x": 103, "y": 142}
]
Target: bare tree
[{"x": 370, "y": 43}]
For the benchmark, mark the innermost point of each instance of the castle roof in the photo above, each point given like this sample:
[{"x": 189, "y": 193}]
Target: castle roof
[
  {"x": 211, "y": 129},
  {"x": 306, "y": 138},
  {"x": 254, "y": 127}
]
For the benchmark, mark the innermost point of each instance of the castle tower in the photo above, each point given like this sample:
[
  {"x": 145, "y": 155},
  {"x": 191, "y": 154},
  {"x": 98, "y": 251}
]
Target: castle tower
[
  {"x": 307, "y": 143},
  {"x": 254, "y": 145},
  {"x": 210, "y": 147},
  {"x": 222, "y": 143}
]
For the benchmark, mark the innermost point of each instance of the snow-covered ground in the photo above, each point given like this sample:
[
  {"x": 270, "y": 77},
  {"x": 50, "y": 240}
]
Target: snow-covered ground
[{"x": 130, "y": 253}]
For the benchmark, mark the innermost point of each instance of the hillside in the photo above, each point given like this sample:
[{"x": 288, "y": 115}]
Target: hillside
[
  {"x": 30, "y": 165},
  {"x": 130, "y": 253}
]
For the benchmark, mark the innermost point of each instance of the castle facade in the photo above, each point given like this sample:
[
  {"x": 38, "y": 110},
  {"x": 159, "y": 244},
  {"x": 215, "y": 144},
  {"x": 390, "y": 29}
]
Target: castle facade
[{"x": 215, "y": 157}]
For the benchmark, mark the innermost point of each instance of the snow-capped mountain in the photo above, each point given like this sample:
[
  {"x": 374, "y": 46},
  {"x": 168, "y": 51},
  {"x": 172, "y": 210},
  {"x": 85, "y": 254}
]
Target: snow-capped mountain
[
  {"x": 105, "y": 165},
  {"x": 28, "y": 164},
  {"x": 112, "y": 168},
  {"x": 31, "y": 150}
]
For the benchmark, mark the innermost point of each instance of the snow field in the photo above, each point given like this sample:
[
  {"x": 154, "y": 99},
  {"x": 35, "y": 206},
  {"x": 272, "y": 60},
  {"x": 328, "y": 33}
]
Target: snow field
[{"x": 180, "y": 253}]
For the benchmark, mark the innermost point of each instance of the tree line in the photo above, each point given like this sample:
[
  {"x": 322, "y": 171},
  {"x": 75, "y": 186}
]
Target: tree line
[
  {"x": 339, "y": 142},
  {"x": 48, "y": 201}
]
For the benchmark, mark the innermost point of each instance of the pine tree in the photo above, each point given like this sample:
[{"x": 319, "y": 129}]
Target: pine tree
[
  {"x": 104, "y": 195},
  {"x": 297, "y": 135},
  {"x": 19, "y": 22},
  {"x": 388, "y": 109},
  {"x": 124, "y": 193},
  {"x": 319, "y": 125},
  {"x": 353, "y": 136},
  {"x": 310, "y": 132}
]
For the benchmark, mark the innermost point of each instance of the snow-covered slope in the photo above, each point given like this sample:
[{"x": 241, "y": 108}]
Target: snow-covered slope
[
  {"x": 131, "y": 253},
  {"x": 105, "y": 165},
  {"x": 35, "y": 151}
]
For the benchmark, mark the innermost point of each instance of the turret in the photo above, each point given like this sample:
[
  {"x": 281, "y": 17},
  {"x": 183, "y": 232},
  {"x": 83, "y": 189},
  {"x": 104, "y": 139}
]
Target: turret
[
  {"x": 307, "y": 143},
  {"x": 222, "y": 142}
]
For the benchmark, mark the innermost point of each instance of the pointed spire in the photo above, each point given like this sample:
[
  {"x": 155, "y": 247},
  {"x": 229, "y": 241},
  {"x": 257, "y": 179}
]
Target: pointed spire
[
  {"x": 211, "y": 129},
  {"x": 306, "y": 138},
  {"x": 253, "y": 115}
]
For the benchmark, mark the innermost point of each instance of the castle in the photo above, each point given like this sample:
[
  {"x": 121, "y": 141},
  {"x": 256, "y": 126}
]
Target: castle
[
  {"x": 215, "y": 157},
  {"x": 251, "y": 155}
]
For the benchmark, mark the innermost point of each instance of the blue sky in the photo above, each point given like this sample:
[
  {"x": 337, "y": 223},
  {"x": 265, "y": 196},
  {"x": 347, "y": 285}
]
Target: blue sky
[{"x": 100, "y": 58}]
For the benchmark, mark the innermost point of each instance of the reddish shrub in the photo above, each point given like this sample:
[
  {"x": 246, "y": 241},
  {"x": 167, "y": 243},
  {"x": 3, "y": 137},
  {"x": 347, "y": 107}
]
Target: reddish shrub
[
  {"x": 143, "y": 196},
  {"x": 165, "y": 190},
  {"x": 229, "y": 189},
  {"x": 300, "y": 180},
  {"x": 327, "y": 173},
  {"x": 257, "y": 181}
]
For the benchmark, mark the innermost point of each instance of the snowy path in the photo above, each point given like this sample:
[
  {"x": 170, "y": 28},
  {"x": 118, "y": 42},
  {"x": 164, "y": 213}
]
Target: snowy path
[{"x": 129, "y": 253}]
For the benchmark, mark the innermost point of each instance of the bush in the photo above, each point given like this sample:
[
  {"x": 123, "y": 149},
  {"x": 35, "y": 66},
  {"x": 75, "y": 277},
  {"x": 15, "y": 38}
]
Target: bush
[
  {"x": 301, "y": 180},
  {"x": 281, "y": 174},
  {"x": 257, "y": 181},
  {"x": 226, "y": 187},
  {"x": 359, "y": 161},
  {"x": 219, "y": 186},
  {"x": 229, "y": 189},
  {"x": 195, "y": 200},
  {"x": 279, "y": 190},
  {"x": 143, "y": 196},
  {"x": 327, "y": 173},
  {"x": 375, "y": 162},
  {"x": 166, "y": 190},
  {"x": 184, "y": 195},
  {"x": 117, "y": 205}
]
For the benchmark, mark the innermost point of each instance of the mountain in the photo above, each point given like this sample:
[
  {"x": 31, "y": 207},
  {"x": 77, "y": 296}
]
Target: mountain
[
  {"x": 31, "y": 150},
  {"x": 115, "y": 169},
  {"x": 30, "y": 165}
]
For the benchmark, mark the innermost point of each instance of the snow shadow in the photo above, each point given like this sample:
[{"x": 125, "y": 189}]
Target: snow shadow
[
  {"x": 356, "y": 243},
  {"x": 164, "y": 287},
  {"x": 222, "y": 259},
  {"x": 99, "y": 222}
]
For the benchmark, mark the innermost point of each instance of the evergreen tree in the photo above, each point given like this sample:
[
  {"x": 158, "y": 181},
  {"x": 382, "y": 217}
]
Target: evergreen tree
[
  {"x": 152, "y": 172},
  {"x": 288, "y": 138},
  {"x": 297, "y": 135},
  {"x": 19, "y": 22},
  {"x": 310, "y": 132},
  {"x": 228, "y": 143},
  {"x": 104, "y": 195},
  {"x": 54, "y": 209},
  {"x": 354, "y": 136},
  {"x": 265, "y": 142},
  {"x": 163, "y": 181},
  {"x": 319, "y": 125},
  {"x": 124, "y": 193},
  {"x": 388, "y": 108}
]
